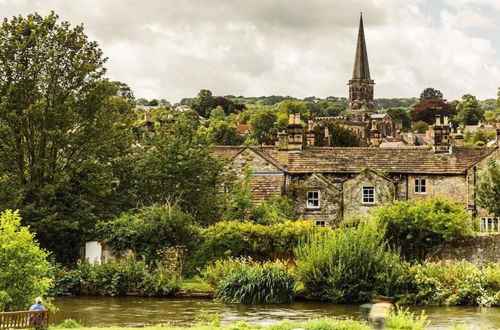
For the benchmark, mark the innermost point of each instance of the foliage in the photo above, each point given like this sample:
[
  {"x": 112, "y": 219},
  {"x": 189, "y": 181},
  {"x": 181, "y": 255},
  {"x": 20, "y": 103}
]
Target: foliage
[
  {"x": 181, "y": 167},
  {"x": 203, "y": 103},
  {"x": 276, "y": 210},
  {"x": 479, "y": 138},
  {"x": 454, "y": 283},
  {"x": 221, "y": 132},
  {"x": 63, "y": 130},
  {"x": 400, "y": 114},
  {"x": 339, "y": 135},
  {"x": 149, "y": 230},
  {"x": 289, "y": 107},
  {"x": 488, "y": 187},
  {"x": 217, "y": 114},
  {"x": 238, "y": 202},
  {"x": 420, "y": 126},
  {"x": 322, "y": 324},
  {"x": 24, "y": 267},
  {"x": 430, "y": 94},
  {"x": 416, "y": 227},
  {"x": 262, "y": 124},
  {"x": 120, "y": 277},
  {"x": 350, "y": 264},
  {"x": 429, "y": 109},
  {"x": 245, "y": 281},
  {"x": 469, "y": 110},
  {"x": 261, "y": 242},
  {"x": 70, "y": 324},
  {"x": 402, "y": 318}
]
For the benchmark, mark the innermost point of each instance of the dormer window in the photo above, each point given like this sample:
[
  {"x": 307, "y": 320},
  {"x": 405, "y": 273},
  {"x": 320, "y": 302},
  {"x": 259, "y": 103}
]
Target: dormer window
[{"x": 313, "y": 201}]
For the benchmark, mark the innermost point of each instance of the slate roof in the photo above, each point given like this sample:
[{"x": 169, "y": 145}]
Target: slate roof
[
  {"x": 416, "y": 160},
  {"x": 408, "y": 160}
]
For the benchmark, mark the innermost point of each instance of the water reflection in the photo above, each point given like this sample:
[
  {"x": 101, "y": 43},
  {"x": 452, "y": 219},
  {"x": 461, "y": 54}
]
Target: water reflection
[{"x": 140, "y": 311}]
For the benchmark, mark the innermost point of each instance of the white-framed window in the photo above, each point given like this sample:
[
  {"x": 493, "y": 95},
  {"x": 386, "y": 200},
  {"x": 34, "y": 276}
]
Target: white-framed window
[
  {"x": 368, "y": 195},
  {"x": 489, "y": 224},
  {"x": 320, "y": 223},
  {"x": 313, "y": 201},
  {"x": 420, "y": 186}
]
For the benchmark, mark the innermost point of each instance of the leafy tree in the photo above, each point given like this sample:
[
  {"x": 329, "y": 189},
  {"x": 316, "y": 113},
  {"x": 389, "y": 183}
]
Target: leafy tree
[
  {"x": 430, "y": 94},
  {"x": 262, "y": 124},
  {"x": 24, "y": 267},
  {"x": 238, "y": 199},
  {"x": 469, "y": 111},
  {"x": 479, "y": 138},
  {"x": 204, "y": 102},
  {"x": 142, "y": 101},
  {"x": 222, "y": 133},
  {"x": 153, "y": 103},
  {"x": 180, "y": 166},
  {"x": 63, "y": 130},
  {"x": 429, "y": 109},
  {"x": 287, "y": 108},
  {"x": 417, "y": 227},
  {"x": 491, "y": 116},
  {"x": 277, "y": 210},
  {"x": 217, "y": 114},
  {"x": 123, "y": 90},
  {"x": 400, "y": 114},
  {"x": 339, "y": 135},
  {"x": 488, "y": 187}
]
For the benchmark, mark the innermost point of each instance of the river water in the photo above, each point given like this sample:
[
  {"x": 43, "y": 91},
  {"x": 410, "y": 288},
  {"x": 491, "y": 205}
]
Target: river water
[{"x": 140, "y": 311}]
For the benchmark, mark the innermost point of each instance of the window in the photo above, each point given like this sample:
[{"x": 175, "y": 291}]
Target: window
[
  {"x": 320, "y": 223},
  {"x": 368, "y": 195},
  {"x": 420, "y": 186},
  {"x": 489, "y": 224},
  {"x": 313, "y": 199}
]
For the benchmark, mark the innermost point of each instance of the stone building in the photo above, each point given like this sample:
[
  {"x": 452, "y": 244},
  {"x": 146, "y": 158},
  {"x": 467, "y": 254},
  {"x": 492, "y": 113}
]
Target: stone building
[
  {"x": 329, "y": 184},
  {"x": 361, "y": 116}
]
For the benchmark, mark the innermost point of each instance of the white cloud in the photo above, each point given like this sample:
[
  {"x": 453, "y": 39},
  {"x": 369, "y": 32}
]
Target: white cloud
[{"x": 171, "y": 49}]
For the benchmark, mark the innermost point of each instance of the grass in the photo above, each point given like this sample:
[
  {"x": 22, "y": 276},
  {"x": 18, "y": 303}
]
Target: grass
[{"x": 195, "y": 285}]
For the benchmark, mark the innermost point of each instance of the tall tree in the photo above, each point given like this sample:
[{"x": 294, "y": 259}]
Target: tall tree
[
  {"x": 262, "y": 124},
  {"x": 430, "y": 94},
  {"x": 204, "y": 102},
  {"x": 62, "y": 129},
  {"x": 469, "y": 110},
  {"x": 339, "y": 136},
  {"x": 400, "y": 114},
  {"x": 428, "y": 110}
]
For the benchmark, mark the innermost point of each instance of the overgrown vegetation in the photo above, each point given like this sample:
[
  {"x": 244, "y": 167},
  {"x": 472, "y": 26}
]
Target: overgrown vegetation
[
  {"x": 246, "y": 281},
  {"x": 350, "y": 264}
]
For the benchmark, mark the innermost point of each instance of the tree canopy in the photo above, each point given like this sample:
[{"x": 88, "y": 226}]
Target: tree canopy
[
  {"x": 430, "y": 94},
  {"x": 488, "y": 187},
  {"x": 469, "y": 111},
  {"x": 429, "y": 109}
]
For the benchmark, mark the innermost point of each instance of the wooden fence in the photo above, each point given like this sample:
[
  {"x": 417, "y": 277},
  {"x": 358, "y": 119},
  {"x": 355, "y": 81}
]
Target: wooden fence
[{"x": 24, "y": 319}]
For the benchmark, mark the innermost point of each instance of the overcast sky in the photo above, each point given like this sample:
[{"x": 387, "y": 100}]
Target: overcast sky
[{"x": 173, "y": 48}]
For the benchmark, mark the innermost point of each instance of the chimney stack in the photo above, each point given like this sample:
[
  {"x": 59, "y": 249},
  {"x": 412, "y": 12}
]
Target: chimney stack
[
  {"x": 283, "y": 148},
  {"x": 441, "y": 135},
  {"x": 375, "y": 135},
  {"x": 310, "y": 137},
  {"x": 326, "y": 139},
  {"x": 295, "y": 132}
]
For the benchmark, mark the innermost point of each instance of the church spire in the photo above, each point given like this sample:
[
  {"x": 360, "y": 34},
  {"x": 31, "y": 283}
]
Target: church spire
[{"x": 361, "y": 69}]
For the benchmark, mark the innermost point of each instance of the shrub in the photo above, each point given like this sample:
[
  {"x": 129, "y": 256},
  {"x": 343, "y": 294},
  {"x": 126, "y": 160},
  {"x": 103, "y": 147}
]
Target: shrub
[
  {"x": 321, "y": 324},
  {"x": 244, "y": 281},
  {"x": 24, "y": 269},
  {"x": 454, "y": 283},
  {"x": 70, "y": 324},
  {"x": 402, "y": 318},
  {"x": 261, "y": 242},
  {"x": 148, "y": 231},
  {"x": 117, "y": 278},
  {"x": 350, "y": 265},
  {"x": 417, "y": 227},
  {"x": 277, "y": 210}
]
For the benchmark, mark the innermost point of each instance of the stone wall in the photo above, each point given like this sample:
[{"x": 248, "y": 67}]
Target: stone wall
[{"x": 483, "y": 248}]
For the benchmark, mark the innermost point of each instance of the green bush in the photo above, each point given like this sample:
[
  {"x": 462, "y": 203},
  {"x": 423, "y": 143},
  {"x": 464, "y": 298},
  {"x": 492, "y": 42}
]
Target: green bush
[
  {"x": 245, "y": 281},
  {"x": 402, "y": 318},
  {"x": 24, "y": 269},
  {"x": 454, "y": 283},
  {"x": 277, "y": 210},
  {"x": 70, "y": 324},
  {"x": 149, "y": 230},
  {"x": 321, "y": 324},
  {"x": 117, "y": 278},
  {"x": 350, "y": 265},
  {"x": 261, "y": 242},
  {"x": 417, "y": 227}
]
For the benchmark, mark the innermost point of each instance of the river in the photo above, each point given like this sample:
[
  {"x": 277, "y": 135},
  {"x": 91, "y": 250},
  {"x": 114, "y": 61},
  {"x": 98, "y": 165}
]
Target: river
[{"x": 140, "y": 311}]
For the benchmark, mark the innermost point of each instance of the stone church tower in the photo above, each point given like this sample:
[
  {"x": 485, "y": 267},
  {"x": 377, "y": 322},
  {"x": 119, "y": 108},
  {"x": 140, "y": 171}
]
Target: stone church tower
[{"x": 361, "y": 85}]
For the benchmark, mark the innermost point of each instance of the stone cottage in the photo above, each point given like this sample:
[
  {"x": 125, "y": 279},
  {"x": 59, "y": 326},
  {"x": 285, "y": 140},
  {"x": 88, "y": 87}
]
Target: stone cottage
[{"x": 330, "y": 184}]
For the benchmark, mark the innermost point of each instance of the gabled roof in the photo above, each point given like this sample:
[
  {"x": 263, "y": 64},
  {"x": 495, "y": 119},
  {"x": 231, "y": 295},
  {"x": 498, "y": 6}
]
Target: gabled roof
[
  {"x": 378, "y": 115},
  {"x": 410, "y": 160},
  {"x": 404, "y": 160}
]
